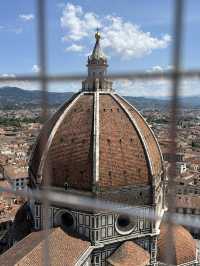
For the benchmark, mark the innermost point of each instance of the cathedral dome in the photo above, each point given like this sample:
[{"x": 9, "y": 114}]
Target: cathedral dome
[
  {"x": 96, "y": 138},
  {"x": 182, "y": 245},
  {"x": 96, "y": 141}
]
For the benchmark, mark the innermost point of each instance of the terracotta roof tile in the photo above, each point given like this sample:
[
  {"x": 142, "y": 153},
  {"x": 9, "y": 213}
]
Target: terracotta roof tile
[
  {"x": 129, "y": 254},
  {"x": 122, "y": 156},
  {"x": 125, "y": 153},
  {"x": 182, "y": 245},
  {"x": 152, "y": 145},
  {"x": 70, "y": 155},
  {"x": 43, "y": 136},
  {"x": 63, "y": 250}
]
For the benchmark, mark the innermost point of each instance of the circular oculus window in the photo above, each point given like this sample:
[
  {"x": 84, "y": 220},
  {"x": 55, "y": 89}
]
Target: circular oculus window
[
  {"x": 125, "y": 224},
  {"x": 65, "y": 219}
]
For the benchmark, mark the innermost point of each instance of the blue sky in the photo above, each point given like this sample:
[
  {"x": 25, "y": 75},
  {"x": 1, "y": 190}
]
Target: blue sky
[{"x": 136, "y": 35}]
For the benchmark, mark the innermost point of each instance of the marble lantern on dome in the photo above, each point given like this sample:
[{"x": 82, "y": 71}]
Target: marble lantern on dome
[{"x": 97, "y": 70}]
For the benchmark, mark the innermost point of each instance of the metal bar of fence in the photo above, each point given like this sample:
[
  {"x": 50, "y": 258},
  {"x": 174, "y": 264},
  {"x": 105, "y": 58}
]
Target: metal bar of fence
[
  {"x": 72, "y": 200},
  {"x": 42, "y": 51},
  {"x": 115, "y": 76},
  {"x": 69, "y": 199},
  {"x": 176, "y": 59}
]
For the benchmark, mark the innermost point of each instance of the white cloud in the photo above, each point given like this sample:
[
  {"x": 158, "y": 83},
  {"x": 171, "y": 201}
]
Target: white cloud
[
  {"x": 72, "y": 86},
  {"x": 5, "y": 75},
  {"x": 128, "y": 40},
  {"x": 35, "y": 68},
  {"x": 156, "y": 88},
  {"x": 26, "y": 17},
  {"x": 170, "y": 67},
  {"x": 16, "y": 30},
  {"x": 74, "y": 48},
  {"x": 160, "y": 68},
  {"x": 14, "y": 83},
  {"x": 121, "y": 37},
  {"x": 142, "y": 88},
  {"x": 156, "y": 69},
  {"x": 77, "y": 23}
]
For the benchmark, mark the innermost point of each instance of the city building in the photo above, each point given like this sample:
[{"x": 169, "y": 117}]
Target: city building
[
  {"x": 100, "y": 147},
  {"x": 9, "y": 205},
  {"x": 18, "y": 177}
]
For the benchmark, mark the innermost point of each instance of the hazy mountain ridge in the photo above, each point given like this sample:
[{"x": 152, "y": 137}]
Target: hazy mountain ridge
[{"x": 14, "y": 97}]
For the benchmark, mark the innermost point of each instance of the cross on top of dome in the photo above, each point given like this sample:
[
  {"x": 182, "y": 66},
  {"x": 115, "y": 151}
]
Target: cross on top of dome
[{"x": 97, "y": 35}]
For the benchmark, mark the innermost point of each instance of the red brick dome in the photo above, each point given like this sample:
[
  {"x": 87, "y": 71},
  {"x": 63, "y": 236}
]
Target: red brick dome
[
  {"x": 182, "y": 245},
  {"x": 97, "y": 139}
]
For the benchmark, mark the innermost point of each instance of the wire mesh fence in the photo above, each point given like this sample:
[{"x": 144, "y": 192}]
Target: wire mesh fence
[{"x": 175, "y": 75}]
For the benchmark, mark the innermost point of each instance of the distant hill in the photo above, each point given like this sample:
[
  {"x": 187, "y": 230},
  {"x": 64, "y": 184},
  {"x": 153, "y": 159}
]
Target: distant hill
[
  {"x": 147, "y": 103},
  {"x": 192, "y": 101},
  {"x": 14, "y": 98}
]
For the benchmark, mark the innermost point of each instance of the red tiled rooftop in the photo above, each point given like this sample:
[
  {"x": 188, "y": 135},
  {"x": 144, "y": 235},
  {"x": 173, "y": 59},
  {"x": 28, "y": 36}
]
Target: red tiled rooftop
[
  {"x": 129, "y": 254},
  {"x": 63, "y": 250},
  {"x": 182, "y": 245}
]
